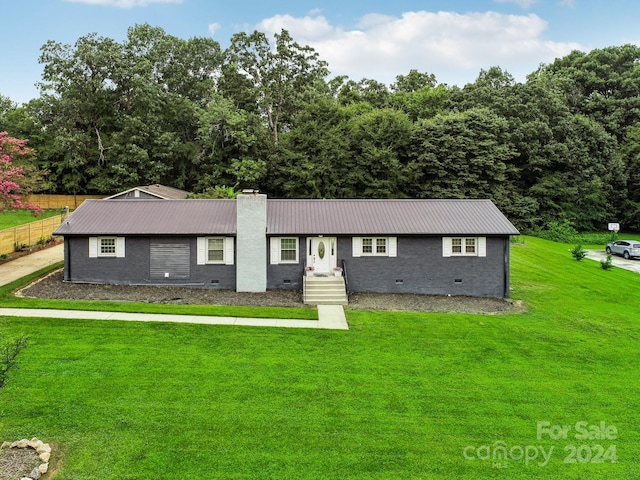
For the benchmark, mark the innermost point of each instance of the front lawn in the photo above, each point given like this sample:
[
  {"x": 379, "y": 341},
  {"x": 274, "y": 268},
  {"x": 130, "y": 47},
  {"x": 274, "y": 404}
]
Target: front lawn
[{"x": 398, "y": 396}]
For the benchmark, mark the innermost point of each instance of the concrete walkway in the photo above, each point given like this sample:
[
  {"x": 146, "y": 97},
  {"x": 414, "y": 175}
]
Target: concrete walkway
[
  {"x": 329, "y": 316},
  {"x": 328, "y": 320}
]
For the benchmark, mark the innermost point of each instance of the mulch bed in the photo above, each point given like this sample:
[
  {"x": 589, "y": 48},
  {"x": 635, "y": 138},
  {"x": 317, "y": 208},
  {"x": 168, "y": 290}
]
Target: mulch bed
[
  {"x": 16, "y": 463},
  {"x": 53, "y": 287}
]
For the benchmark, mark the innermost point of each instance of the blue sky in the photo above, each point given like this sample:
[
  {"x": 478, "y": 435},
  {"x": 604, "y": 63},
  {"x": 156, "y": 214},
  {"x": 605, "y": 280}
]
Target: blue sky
[{"x": 376, "y": 39}]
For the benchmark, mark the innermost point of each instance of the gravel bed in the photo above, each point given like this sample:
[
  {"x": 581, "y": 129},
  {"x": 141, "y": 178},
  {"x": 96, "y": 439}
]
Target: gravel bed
[
  {"x": 53, "y": 287},
  {"x": 16, "y": 463}
]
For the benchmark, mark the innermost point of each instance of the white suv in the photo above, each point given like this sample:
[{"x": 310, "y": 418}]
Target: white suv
[{"x": 626, "y": 248}]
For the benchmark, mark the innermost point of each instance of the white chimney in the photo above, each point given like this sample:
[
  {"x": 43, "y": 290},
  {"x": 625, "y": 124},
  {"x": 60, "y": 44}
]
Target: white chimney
[{"x": 251, "y": 242}]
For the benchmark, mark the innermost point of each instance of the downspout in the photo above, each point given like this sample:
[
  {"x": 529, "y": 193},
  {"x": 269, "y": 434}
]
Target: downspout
[
  {"x": 67, "y": 260},
  {"x": 506, "y": 266}
]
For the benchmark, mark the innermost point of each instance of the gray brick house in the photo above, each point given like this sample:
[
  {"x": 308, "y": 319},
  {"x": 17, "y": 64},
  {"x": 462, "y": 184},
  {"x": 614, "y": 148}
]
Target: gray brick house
[{"x": 252, "y": 244}]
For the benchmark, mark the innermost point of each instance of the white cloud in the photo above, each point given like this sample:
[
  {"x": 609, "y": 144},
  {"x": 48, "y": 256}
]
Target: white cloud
[
  {"x": 523, "y": 3},
  {"x": 307, "y": 27},
  {"x": 123, "y": 3},
  {"x": 213, "y": 28},
  {"x": 453, "y": 46}
]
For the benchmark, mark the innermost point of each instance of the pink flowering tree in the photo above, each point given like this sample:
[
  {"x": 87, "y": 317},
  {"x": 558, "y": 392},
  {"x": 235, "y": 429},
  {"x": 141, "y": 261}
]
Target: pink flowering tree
[{"x": 17, "y": 174}]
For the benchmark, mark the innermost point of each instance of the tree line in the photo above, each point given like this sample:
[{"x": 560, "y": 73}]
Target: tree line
[{"x": 264, "y": 113}]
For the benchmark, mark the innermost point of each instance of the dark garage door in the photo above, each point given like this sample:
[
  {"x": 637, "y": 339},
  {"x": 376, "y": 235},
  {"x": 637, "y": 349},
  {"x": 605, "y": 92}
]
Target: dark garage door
[{"x": 170, "y": 259}]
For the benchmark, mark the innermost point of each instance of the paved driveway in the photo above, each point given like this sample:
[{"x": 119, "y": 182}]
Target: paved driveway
[
  {"x": 633, "y": 265},
  {"x": 33, "y": 262}
]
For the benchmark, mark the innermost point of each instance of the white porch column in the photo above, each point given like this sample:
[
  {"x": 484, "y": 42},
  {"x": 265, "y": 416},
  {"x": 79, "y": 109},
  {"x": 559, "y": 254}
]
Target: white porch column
[{"x": 251, "y": 242}]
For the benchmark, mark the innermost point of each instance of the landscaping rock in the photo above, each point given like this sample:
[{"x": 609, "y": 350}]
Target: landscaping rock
[
  {"x": 35, "y": 443},
  {"x": 43, "y": 448}
]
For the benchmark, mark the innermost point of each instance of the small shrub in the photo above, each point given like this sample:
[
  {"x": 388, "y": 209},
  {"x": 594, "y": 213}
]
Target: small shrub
[
  {"x": 21, "y": 247},
  {"x": 578, "y": 252},
  {"x": 8, "y": 353},
  {"x": 516, "y": 239},
  {"x": 42, "y": 241},
  {"x": 4, "y": 256},
  {"x": 592, "y": 238},
  {"x": 607, "y": 264},
  {"x": 558, "y": 232}
]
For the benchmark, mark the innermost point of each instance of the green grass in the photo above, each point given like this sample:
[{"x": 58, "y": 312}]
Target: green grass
[
  {"x": 20, "y": 217},
  {"x": 398, "y": 396}
]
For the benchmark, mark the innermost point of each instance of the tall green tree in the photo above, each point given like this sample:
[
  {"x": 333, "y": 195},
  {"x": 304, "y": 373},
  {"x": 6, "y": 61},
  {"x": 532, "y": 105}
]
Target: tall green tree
[
  {"x": 413, "y": 81},
  {"x": 81, "y": 99},
  {"x": 352, "y": 151},
  {"x": 275, "y": 77},
  {"x": 230, "y": 140},
  {"x": 126, "y": 114},
  {"x": 603, "y": 84},
  {"x": 464, "y": 155},
  {"x": 369, "y": 91},
  {"x": 629, "y": 213}
]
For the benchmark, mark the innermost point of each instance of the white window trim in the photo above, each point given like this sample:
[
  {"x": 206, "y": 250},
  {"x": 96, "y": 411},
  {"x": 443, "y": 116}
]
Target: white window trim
[
  {"x": 276, "y": 251},
  {"x": 481, "y": 247},
  {"x": 202, "y": 246},
  {"x": 94, "y": 247},
  {"x": 391, "y": 250}
]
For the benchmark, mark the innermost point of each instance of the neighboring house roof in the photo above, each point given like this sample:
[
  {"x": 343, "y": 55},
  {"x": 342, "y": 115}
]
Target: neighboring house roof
[
  {"x": 156, "y": 190},
  {"x": 290, "y": 217},
  {"x": 151, "y": 217}
]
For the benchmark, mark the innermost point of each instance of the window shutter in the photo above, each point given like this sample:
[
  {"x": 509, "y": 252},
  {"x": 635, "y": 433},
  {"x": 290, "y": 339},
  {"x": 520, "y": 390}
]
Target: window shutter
[
  {"x": 228, "y": 250},
  {"x": 93, "y": 247},
  {"x": 201, "y": 250},
  {"x": 482, "y": 246},
  {"x": 120, "y": 247},
  {"x": 275, "y": 250},
  {"x": 446, "y": 246},
  {"x": 356, "y": 244},
  {"x": 393, "y": 246}
]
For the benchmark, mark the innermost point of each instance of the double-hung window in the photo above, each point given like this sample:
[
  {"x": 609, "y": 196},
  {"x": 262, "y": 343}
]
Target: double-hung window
[
  {"x": 215, "y": 250},
  {"x": 288, "y": 250},
  {"x": 464, "y": 246},
  {"x": 375, "y": 246},
  {"x": 106, "y": 247},
  {"x": 284, "y": 250}
]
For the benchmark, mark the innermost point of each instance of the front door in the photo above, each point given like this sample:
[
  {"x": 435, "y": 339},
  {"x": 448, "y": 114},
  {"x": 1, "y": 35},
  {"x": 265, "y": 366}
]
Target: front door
[{"x": 322, "y": 254}]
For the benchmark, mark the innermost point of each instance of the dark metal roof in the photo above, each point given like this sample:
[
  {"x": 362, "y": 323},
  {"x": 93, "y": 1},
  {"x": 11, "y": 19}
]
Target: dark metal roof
[
  {"x": 386, "y": 217},
  {"x": 151, "y": 217},
  {"x": 290, "y": 217}
]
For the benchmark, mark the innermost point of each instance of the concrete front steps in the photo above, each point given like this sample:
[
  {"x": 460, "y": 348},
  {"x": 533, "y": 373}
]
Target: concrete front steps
[{"x": 329, "y": 290}]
